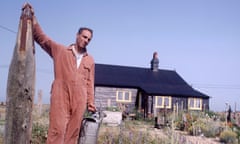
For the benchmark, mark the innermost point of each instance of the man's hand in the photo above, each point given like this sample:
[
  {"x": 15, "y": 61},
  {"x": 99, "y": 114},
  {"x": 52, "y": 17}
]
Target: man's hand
[
  {"x": 91, "y": 107},
  {"x": 27, "y": 5}
]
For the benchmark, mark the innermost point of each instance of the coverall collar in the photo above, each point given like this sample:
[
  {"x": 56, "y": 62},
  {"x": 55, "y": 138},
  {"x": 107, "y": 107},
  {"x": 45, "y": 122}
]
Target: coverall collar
[{"x": 72, "y": 48}]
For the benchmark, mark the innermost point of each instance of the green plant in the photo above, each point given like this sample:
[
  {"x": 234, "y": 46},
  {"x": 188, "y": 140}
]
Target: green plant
[
  {"x": 130, "y": 132},
  {"x": 222, "y": 117},
  {"x": 228, "y": 137},
  {"x": 112, "y": 109},
  {"x": 139, "y": 115},
  {"x": 236, "y": 129},
  {"x": 209, "y": 129},
  {"x": 211, "y": 114},
  {"x": 2, "y": 122},
  {"x": 179, "y": 125},
  {"x": 39, "y": 133}
]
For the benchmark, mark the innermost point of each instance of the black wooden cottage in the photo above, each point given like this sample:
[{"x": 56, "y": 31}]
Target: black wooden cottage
[{"x": 145, "y": 89}]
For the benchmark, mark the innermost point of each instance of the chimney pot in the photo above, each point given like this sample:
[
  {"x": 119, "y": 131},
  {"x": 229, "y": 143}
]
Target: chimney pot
[{"x": 154, "y": 62}]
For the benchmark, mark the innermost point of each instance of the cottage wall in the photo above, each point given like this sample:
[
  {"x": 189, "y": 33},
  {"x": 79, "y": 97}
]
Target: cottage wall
[
  {"x": 205, "y": 104},
  {"x": 180, "y": 103},
  {"x": 105, "y": 97}
]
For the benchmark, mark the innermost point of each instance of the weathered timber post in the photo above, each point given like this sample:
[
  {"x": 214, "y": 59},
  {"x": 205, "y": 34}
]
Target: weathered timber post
[{"x": 21, "y": 84}]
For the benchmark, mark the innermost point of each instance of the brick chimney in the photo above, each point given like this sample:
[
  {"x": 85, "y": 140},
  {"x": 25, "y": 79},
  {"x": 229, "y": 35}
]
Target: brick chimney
[{"x": 154, "y": 62}]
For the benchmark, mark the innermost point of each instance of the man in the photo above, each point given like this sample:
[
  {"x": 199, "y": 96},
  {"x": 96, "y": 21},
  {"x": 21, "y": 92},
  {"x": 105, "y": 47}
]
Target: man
[{"x": 73, "y": 86}]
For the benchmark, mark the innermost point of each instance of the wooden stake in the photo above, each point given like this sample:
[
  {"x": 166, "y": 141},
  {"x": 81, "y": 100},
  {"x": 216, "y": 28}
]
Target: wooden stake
[{"x": 21, "y": 84}]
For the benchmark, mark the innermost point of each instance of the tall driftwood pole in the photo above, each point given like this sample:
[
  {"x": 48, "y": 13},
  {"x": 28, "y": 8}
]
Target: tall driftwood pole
[{"x": 21, "y": 84}]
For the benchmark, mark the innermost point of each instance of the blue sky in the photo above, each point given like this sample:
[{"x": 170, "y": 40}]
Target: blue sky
[{"x": 200, "y": 39}]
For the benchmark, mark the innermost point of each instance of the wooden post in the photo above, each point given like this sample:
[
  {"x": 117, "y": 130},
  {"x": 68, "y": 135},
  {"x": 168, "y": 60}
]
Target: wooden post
[
  {"x": 39, "y": 103},
  {"x": 172, "y": 124},
  {"x": 21, "y": 84}
]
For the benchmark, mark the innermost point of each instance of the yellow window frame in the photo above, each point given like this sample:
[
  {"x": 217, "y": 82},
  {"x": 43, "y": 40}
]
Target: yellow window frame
[
  {"x": 124, "y": 92},
  {"x": 164, "y": 99},
  {"x": 195, "y": 103}
]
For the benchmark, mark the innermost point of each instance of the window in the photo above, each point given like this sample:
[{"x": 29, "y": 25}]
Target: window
[
  {"x": 195, "y": 103},
  {"x": 124, "y": 96},
  {"x": 161, "y": 101}
]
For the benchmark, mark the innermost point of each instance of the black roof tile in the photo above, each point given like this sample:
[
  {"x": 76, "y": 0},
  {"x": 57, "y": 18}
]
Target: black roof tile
[{"x": 162, "y": 82}]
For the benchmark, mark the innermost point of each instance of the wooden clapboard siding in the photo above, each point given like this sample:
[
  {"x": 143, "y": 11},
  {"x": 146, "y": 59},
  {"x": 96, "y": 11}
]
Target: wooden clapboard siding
[
  {"x": 106, "y": 97},
  {"x": 181, "y": 103}
]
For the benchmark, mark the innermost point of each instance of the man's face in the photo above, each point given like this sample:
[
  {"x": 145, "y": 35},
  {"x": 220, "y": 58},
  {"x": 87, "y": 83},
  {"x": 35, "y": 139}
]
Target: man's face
[{"x": 83, "y": 39}]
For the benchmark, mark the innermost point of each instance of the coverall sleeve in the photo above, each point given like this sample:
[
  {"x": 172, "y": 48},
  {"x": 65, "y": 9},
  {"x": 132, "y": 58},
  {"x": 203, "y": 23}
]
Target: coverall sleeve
[
  {"x": 90, "y": 88},
  {"x": 44, "y": 41}
]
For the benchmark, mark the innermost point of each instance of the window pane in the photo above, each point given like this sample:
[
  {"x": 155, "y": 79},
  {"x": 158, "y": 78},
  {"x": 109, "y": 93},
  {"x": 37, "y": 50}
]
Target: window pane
[
  {"x": 191, "y": 103},
  {"x": 159, "y": 101},
  {"x": 166, "y": 102},
  {"x": 127, "y": 96},
  {"x": 120, "y": 95},
  {"x": 198, "y": 103}
]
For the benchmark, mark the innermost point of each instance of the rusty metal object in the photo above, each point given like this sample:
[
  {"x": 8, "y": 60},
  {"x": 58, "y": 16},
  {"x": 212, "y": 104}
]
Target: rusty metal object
[{"x": 21, "y": 84}]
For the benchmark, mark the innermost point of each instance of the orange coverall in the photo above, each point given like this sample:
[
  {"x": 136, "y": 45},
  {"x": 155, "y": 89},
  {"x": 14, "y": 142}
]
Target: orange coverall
[{"x": 72, "y": 89}]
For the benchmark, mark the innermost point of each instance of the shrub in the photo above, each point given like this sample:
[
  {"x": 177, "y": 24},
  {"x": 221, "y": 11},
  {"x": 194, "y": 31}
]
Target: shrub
[
  {"x": 236, "y": 129},
  {"x": 211, "y": 114},
  {"x": 139, "y": 115},
  {"x": 228, "y": 137},
  {"x": 210, "y": 129},
  {"x": 130, "y": 132},
  {"x": 113, "y": 109},
  {"x": 222, "y": 117},
  {"x": 39, "y": 133}
]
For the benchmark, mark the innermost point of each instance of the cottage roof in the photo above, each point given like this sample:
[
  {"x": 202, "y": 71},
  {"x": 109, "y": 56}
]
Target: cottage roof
[{"x": 162, "y": 82}]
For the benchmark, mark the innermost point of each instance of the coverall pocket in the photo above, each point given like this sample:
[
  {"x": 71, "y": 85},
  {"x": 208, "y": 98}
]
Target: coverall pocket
[{"x": 86, "y": 74}]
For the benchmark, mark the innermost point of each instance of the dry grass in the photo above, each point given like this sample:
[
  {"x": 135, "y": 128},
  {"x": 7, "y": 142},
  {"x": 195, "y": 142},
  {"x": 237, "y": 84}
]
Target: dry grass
[{"x": 131, "y": 132}]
